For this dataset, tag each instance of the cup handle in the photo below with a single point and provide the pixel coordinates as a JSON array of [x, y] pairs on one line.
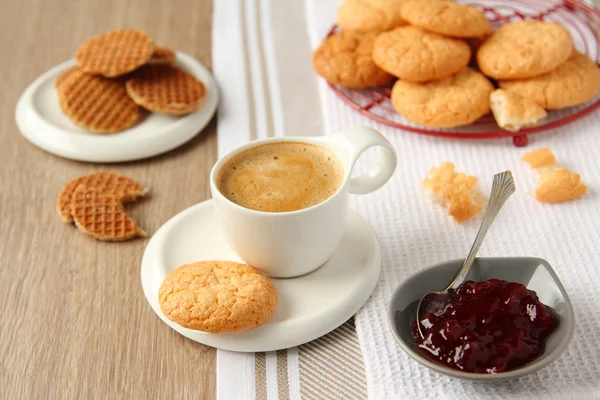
[[359, 139]]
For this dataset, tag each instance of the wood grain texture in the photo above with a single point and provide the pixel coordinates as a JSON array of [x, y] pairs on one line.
[[74, 321]]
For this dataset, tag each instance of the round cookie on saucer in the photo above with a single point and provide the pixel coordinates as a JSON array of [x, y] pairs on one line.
[[415, 55], [444, 103], [446, 18], [369, 15], [524, 49], [573, 82], [217, 296], [345, 59]]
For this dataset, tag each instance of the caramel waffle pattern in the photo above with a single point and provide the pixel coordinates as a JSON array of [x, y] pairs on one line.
[[166, 89], [115, 52], [98, 104], [64, 76], [102, 216], [121, 187], [162, 55]]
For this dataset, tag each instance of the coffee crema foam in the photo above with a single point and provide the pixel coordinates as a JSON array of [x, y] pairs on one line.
[[280, 177]]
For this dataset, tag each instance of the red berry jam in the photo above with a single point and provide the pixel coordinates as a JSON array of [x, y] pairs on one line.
[[485, 327]]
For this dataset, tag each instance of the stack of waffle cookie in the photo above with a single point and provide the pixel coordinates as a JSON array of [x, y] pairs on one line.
[[448, 62], [120, 72], [95, 204]]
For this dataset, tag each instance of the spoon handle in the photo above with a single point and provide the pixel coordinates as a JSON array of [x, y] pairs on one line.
[[502, 188]]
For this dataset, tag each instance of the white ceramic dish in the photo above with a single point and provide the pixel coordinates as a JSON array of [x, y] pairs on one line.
[[309, 306], [42, 122], [536, 274]]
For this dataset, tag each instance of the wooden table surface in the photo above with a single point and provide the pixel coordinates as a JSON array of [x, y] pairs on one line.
[[74, 321]]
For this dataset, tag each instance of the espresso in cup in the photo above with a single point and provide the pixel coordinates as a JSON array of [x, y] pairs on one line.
[[280, 177]]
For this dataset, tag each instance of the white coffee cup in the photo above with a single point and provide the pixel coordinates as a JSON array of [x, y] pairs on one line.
[[288, 244]]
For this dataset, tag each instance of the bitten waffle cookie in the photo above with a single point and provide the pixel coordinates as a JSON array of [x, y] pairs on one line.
[[102, 216], [115, 52], [369, 15], [513, 111], [98, 104], [345, 59], [540, 158], [524, 49], [412, 54], [217, 296], [121, 187], [573, 82], [559, 185], [455, 190], [162, 55], [453, 101], [446, 18], [166, 89]]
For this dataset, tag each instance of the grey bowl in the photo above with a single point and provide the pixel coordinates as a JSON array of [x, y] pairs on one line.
[[536, 274]]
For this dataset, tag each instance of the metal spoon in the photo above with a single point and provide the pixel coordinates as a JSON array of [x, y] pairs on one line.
[[503, 187]]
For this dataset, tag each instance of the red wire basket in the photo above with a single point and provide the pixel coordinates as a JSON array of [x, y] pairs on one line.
[[582, 20]]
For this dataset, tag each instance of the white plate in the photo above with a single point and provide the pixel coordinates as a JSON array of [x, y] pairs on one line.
[[42, 122], [309, 306]]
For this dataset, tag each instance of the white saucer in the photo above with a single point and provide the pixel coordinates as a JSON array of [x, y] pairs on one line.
[[42, 122], [309, 306]]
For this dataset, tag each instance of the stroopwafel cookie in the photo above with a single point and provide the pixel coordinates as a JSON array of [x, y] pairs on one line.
[[115, 53], [121, 187], [62, 78], [162, 55], [102, 216], [96, 103], [166, 89]]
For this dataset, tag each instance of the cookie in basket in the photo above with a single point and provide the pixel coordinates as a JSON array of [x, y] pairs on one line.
[[457, 100], [102, 216], [217, 296], [115, 53], [416, 55], [524, 49], [369, 15], [514, 112], [162, 55], [446, 18], [344, 59], [166, 89], [121, 187], [96, 103], [573, 82]]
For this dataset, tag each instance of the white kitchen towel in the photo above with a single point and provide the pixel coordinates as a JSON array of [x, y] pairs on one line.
[[415, 233], [261, 51], [260, 54]]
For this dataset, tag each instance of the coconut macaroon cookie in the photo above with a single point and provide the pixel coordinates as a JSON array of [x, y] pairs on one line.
[[559, 185], [524, 49], [345, 59], [369, 15], [444, 103], [513, 111], [573, 82], [446, 18], [540, 158], [217, 296], [415, 55]]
